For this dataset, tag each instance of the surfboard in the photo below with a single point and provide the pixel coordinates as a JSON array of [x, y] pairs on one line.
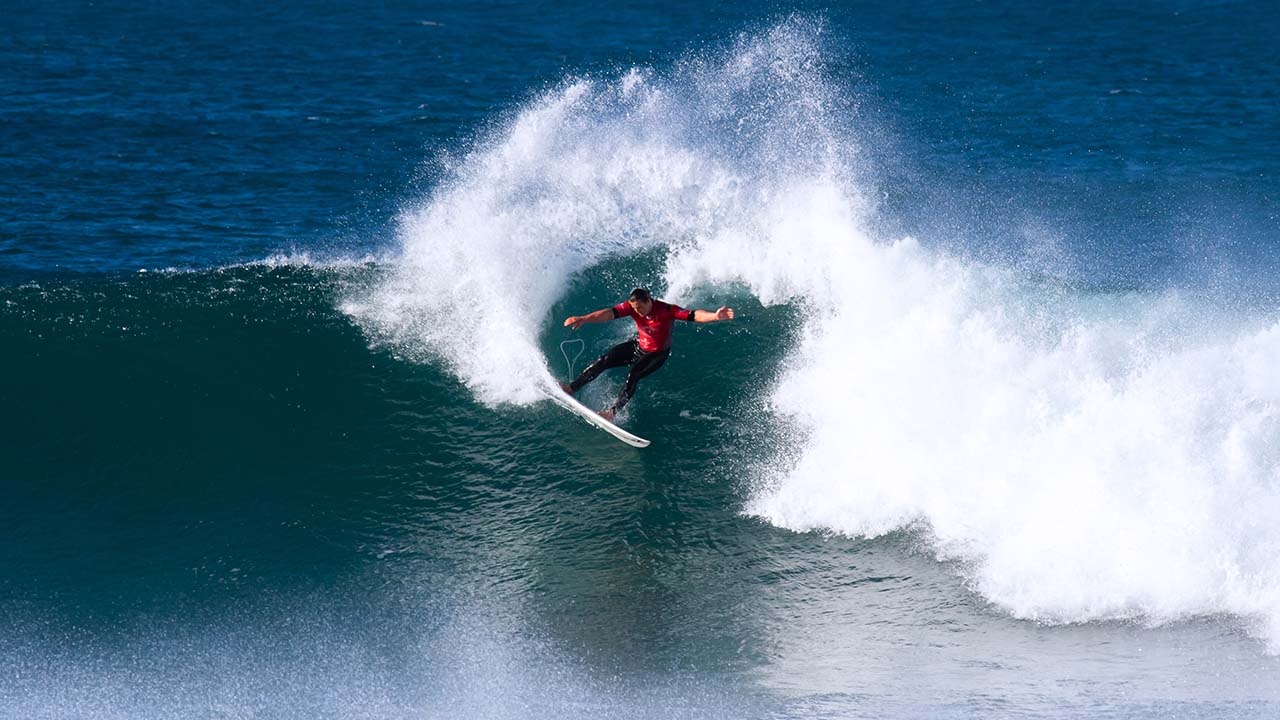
[[569, 403]]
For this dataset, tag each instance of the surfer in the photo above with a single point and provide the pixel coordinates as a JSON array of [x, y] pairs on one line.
[[648, 351]]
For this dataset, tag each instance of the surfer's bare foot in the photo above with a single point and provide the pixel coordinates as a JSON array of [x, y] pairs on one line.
[[565, 387], [607, 414]]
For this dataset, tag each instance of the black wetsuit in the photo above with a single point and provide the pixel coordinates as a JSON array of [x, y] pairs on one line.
[[627, 353]]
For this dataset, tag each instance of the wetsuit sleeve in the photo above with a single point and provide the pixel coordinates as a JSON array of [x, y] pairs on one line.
[[622, 310], [680, 313]]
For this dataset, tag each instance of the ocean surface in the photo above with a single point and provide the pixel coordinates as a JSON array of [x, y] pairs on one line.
[[996, 432]]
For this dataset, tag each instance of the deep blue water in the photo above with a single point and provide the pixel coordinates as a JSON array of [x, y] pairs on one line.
[[197, 135], [995, 434]]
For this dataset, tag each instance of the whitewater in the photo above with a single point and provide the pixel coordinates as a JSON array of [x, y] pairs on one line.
[[1075, 454]]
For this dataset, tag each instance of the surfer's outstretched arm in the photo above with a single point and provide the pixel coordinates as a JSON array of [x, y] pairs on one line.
[[706, 316], [577, 321]]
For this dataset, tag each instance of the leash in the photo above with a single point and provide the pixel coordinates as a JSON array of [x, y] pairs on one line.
[[583, 346]]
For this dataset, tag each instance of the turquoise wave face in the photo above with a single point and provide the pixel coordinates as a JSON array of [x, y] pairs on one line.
[[217, 472], [235, 419]]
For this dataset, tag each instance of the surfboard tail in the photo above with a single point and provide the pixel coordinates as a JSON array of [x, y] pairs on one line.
[[571, 404]]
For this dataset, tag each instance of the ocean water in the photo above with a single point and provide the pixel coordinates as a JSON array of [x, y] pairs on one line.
[[996, 432]]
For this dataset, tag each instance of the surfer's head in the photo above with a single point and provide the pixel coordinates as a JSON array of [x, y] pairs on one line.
[[641, 301]]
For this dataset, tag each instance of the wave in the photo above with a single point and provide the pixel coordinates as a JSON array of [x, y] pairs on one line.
[[590, 170], [1081, 455]]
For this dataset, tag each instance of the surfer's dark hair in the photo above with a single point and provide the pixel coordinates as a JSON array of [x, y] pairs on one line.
[[640, 295]]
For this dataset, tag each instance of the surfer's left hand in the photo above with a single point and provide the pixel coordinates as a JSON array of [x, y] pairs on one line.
[[724, 313]]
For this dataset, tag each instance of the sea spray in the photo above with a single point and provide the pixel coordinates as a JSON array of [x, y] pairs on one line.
[[1083, 455], [591, 169]]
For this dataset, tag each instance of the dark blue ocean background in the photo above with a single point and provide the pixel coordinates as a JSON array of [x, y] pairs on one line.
[[247, 471]]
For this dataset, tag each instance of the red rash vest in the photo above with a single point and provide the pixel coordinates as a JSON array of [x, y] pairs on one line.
[[655, 328]]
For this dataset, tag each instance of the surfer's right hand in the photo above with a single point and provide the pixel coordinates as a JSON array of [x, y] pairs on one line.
[[574, 322]]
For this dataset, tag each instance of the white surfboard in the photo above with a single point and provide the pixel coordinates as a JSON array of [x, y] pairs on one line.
[[568, 402]]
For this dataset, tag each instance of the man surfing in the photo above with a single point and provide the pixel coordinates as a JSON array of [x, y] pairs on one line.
[[654, 319]]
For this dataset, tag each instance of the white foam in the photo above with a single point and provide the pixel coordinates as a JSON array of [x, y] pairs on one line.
[[1083, 456], [589, 170], [1082, 466], [297, 258]]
